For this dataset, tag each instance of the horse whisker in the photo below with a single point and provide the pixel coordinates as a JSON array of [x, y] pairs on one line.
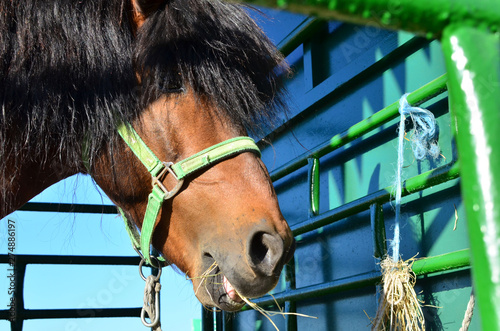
[[206, 274], [208, 292]]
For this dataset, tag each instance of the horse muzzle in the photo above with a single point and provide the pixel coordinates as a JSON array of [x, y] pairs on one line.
[[249, 272]]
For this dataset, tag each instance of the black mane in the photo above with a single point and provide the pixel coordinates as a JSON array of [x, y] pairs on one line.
[[68, 68]]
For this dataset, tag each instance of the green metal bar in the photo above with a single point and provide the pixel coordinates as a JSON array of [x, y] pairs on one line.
[[379, 239], [419, 17], [313, 175], [441, 263], [337, 90], [314, 291], [69, 208], [473, 64], [304, 31], [378, 230], [381, 117], [411, 185]]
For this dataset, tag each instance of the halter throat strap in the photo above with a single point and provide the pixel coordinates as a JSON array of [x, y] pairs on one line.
[[179, 170]]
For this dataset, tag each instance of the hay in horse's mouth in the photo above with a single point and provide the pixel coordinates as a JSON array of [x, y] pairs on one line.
[[229, 299], [217, 288]]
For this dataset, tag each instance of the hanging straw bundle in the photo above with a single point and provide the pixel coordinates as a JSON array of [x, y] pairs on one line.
[[399, 308]]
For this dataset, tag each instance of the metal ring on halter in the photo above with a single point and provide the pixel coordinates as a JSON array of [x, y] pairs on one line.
[[157, 313], [158, 267]]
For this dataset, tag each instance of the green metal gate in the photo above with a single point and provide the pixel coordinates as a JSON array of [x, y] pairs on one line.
[[333, 160]]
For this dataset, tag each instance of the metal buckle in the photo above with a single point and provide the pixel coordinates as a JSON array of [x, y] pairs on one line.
[[157, 181]]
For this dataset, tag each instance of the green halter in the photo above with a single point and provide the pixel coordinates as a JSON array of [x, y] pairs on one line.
[[181, 169]]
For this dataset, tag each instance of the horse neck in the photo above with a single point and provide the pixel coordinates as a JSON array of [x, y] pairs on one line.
[[24, 177]]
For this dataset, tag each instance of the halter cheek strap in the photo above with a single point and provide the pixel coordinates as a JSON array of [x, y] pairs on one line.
[[179, 170]]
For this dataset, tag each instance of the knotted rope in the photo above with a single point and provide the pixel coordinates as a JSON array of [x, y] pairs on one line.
[[424, 144], [399, 305], [150, 307]]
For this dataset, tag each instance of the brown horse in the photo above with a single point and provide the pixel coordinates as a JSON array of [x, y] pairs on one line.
[[186, 74]]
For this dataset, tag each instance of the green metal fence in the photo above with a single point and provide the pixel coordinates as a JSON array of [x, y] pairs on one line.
[[372, 202]]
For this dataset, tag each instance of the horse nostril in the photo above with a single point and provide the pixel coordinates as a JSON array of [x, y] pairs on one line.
[[265, 252]]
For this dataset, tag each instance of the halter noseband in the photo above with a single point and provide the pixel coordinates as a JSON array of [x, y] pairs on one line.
[[179, 170]]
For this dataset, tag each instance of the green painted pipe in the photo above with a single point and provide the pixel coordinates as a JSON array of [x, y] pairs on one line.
[[440, 263], [411, 185], [419, 17], [378, 230], [425, 266], [304, 31], [373, 122], [473, 64], [313, 176]]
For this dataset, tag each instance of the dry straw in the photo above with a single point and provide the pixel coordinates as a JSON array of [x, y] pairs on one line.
[[268, 314], [399, 308], [204, 276]]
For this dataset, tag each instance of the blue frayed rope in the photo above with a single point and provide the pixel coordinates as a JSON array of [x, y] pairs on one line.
[[424, 144]]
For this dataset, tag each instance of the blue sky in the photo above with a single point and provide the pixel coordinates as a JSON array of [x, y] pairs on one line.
[[67, 286]]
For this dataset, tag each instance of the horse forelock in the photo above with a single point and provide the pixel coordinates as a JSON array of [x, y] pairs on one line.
[[68, 68], [217, 49]]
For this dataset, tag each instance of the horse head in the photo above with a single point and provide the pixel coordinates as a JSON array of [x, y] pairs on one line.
[[206, 74], [185, 75]]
